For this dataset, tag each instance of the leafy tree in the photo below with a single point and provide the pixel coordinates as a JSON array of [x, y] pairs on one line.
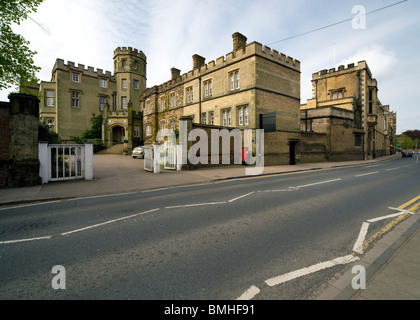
[[405, 141], [16, 59], [413, 134]]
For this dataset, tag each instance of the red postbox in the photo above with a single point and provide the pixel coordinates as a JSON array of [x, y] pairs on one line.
[[244, 155]]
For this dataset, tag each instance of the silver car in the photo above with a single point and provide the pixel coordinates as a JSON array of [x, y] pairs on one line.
[[138, 152]]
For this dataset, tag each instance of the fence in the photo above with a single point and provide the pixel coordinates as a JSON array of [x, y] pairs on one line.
[[60, 162]]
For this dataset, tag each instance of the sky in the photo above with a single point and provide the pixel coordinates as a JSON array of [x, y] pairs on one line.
[[169, 32]]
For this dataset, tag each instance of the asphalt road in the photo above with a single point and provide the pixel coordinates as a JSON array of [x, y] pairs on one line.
[[217, 241]]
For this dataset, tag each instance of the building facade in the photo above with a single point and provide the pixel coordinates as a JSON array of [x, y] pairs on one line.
[[344, 120], [346, 107], [75, 94], [231, 92]]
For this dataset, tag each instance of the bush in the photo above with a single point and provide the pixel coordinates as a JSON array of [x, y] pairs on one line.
[[93, 135], [98, 144], [46, 134]]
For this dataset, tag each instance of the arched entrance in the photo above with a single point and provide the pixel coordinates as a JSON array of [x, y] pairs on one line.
[[118, 135]]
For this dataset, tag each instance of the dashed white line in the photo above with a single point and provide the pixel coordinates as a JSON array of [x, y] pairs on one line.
[[243, 196], [195, 205], [312, 269], [250, 293], [25, 240], [108, 222], [367, 174], [392, 169], [316, 183], [279, 190]]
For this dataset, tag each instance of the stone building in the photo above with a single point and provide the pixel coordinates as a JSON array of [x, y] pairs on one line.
[[76, 93], [232, 92], [346, 108]]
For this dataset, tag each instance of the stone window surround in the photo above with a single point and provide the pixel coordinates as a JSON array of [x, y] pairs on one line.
[[148, 129], [48, 98], [78, 98], [103, 83], [76, 77], [243, 115]]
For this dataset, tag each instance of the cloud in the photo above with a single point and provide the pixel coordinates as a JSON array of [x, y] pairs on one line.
[[382, 62]]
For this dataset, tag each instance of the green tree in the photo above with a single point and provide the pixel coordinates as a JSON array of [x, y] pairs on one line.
[[16, 59], [405, 142], [94, 134]]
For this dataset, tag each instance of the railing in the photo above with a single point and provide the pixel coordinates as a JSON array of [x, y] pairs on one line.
[[60, 162]]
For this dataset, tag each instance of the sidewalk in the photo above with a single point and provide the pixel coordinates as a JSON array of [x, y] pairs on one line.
[[392, 265], [116, 174]]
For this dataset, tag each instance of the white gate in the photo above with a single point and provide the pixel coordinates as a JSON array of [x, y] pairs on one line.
[[162, 155], [59, 162], [148, 158], [170, 158]]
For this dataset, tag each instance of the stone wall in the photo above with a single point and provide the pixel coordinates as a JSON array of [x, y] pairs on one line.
[[4, 142], [19, 164]]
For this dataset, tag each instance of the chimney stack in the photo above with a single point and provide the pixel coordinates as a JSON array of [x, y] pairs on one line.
[[239, 41], [198, 61], [175, 73]]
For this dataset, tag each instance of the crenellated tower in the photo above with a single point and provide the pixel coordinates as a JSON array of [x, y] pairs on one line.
[[130, 75]]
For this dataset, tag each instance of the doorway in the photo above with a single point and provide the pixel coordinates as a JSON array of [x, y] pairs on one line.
[[118, 135], [292, 152]]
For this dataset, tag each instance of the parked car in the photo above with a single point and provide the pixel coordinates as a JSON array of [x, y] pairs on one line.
[[407, 154], [138, 152]]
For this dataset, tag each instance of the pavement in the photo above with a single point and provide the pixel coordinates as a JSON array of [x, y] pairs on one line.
[[392, 265]]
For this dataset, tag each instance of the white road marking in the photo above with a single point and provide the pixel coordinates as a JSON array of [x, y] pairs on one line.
[[367, 174], [387, 217], [245, 195], [315, 184], [358, 246], [195, 205], [108, 222], [392, 169], [25, 240], [312, 269], [401, 210], [30, 205], [250, 293]]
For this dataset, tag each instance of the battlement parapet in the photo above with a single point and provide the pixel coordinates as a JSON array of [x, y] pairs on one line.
[[333, 71], [130, 51], [252, 49], [90, 71]]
